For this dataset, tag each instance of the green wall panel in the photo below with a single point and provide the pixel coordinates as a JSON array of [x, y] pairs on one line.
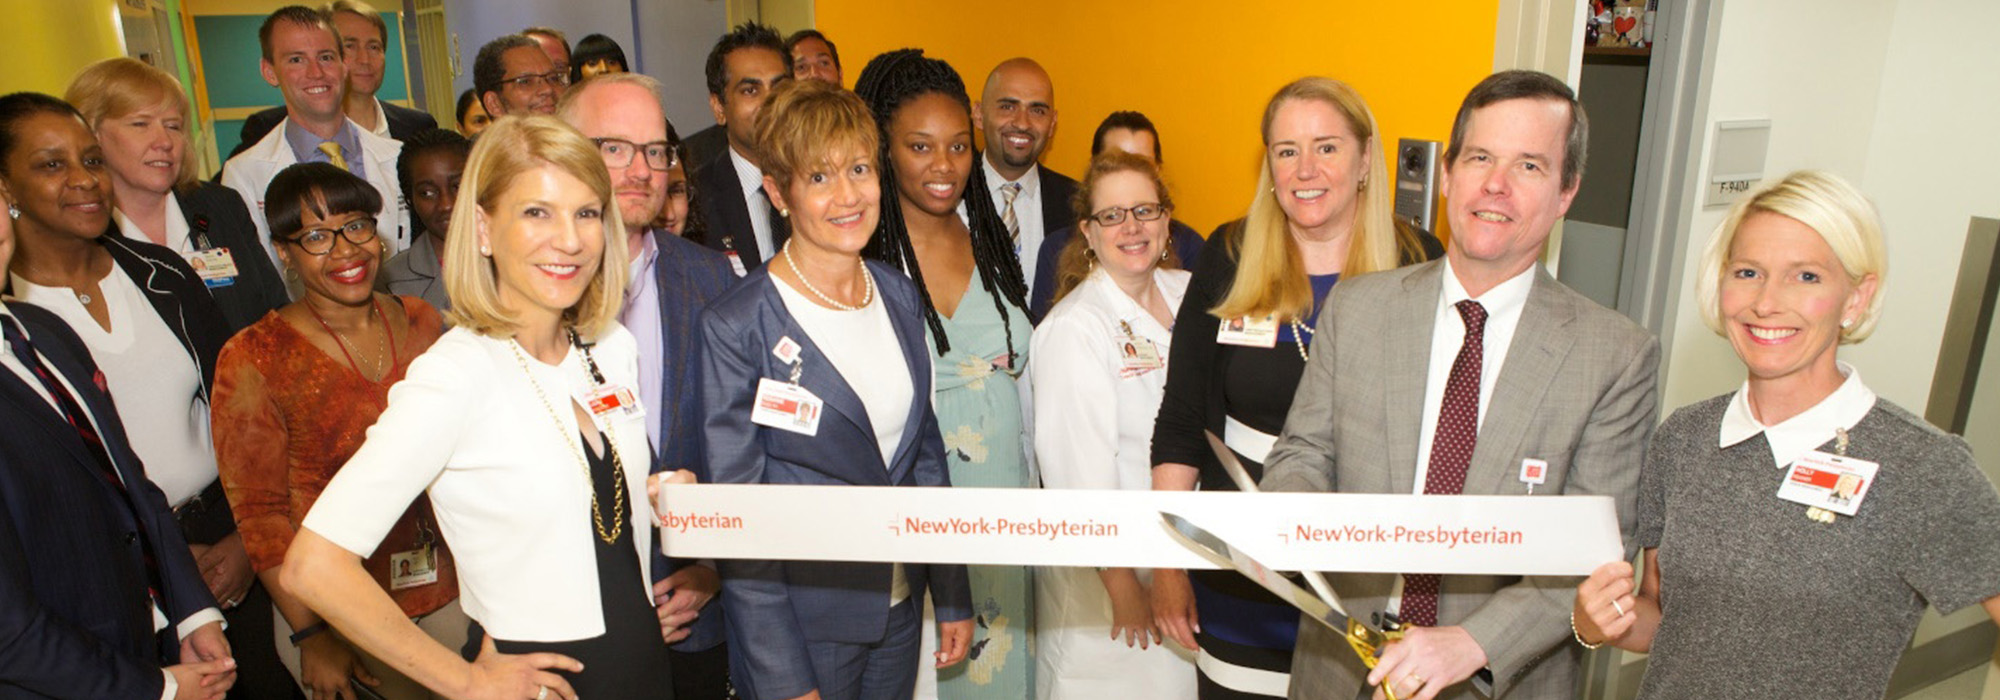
[[230, 55]]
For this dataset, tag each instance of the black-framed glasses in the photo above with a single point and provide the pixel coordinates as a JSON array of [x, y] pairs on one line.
[[319, 241], [618, 153], [1113, 216], [557, 79]]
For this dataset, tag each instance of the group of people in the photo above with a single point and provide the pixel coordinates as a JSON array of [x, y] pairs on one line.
[[383, 413]]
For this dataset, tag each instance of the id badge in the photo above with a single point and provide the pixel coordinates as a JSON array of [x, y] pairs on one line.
[[1831, 482], [412, 568], [215, 266], [612, 402], [1249, 332], [735, 261], [1137, 356], [786, 406]]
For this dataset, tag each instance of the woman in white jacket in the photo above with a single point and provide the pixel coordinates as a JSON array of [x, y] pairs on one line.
[[1098, 373]]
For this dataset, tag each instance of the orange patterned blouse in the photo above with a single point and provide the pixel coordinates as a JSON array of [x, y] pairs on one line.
[[287, 416]]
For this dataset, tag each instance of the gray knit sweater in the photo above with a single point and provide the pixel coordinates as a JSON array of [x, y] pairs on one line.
[[1758, 601]]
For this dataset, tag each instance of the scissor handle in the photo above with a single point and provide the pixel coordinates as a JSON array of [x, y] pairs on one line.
[[1368, 645]]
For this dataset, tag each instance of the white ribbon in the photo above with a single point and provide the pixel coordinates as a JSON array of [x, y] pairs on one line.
[[1386, 533]]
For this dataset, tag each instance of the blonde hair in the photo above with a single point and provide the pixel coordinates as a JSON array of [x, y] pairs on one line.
[[804, 123], [1831, 207], [1270, 273], [1073, 265], [117, 87], [514, 146]]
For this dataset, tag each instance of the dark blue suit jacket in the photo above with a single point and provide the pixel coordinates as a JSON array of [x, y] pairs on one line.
[[775, 607], [686, 275], [75, 620], [719, 193]]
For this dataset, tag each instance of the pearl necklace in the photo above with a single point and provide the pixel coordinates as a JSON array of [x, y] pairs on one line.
[[867, 295]]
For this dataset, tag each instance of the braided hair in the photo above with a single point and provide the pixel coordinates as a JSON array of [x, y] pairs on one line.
[[890, 81]]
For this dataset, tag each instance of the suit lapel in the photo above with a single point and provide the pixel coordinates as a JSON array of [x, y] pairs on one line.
[[906, 319], [1407, 357], [736, 212], [1533, 358], [675, 321], [45, 416], [94, 402], [819, 376]]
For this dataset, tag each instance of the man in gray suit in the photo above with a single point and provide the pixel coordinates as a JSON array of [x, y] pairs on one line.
[[1446, 377]]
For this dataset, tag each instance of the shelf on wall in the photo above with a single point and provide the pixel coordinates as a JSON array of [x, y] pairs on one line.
[[1617, 51]]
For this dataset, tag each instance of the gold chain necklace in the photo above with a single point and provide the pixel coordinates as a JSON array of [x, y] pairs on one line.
[[610, 444]]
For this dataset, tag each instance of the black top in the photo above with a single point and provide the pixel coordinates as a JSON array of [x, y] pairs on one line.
[[1207, 381], [630, 659]]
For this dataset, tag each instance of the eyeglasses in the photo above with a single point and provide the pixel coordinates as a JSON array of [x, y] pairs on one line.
[[529, 82], [618, 153], [319, 241], [1113, 216]]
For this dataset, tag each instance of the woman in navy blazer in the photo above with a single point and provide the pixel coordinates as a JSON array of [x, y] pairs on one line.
[[818, 320]]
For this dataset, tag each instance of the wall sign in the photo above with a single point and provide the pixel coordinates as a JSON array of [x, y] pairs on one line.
[[1736, 159]]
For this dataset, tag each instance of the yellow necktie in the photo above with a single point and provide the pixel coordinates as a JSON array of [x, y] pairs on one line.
[[332, 151]]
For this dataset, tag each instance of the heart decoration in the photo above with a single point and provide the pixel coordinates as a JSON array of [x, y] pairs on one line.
[[1625, 24]]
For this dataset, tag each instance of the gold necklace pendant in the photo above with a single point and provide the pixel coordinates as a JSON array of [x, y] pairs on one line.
[[618, 500]]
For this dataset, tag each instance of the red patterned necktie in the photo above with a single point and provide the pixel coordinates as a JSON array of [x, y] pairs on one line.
[[1451, 449]]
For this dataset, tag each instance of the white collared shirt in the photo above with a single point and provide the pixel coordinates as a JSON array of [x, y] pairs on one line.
[[1791, 439], [1503, 303], [27, 376], [752, 180], [177, 226], [1027, 215], [381, 121], [1503, 314]]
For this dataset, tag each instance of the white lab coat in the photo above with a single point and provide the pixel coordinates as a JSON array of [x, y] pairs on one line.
[[250, 172], [1094, 430]]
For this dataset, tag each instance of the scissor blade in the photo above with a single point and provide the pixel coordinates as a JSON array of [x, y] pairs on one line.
[[1240, 475], [1214, 549]]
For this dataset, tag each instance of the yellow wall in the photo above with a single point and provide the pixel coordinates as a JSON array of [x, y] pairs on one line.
[[1201, 70], [50, 40]]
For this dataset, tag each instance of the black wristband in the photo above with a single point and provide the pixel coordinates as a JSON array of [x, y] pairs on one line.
[[308, 632]]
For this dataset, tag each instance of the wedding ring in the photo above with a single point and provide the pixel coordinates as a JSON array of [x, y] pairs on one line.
[[1617, 607], [542, 694], [1415, 677]]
